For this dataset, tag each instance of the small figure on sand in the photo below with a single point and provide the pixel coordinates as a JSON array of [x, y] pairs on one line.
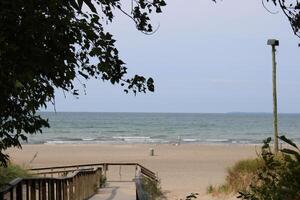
[[178, 140]]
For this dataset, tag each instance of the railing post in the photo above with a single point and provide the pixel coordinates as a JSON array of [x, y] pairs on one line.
[[71, 189], [51, 190], [100, 177], [40, 190], [65, 189], [84, 186], [12, 193], [44, 190], [32, 190], [80, 186], [75, 187], [27, 190], [105, 168], [92, 186], [58, 190], [19, 192], [136, 170]]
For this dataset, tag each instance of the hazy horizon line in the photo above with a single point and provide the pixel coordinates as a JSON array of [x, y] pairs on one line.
[[158, 112]]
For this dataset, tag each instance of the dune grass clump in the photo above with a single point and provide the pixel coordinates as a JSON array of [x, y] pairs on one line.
[[238, 177], [153, 189], [273, 175], [11, 172]]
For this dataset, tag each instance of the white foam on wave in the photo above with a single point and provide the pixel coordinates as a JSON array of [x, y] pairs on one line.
[[130, 137], [88, 139], [60, 142], [217, 140], [189, 140]]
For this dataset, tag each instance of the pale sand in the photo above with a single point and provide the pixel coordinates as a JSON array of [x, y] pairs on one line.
[[182, 169]]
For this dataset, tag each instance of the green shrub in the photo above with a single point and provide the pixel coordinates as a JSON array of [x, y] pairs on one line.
[[238, 177], [152, 188], [103, 181], [11, 172], [279, 177]]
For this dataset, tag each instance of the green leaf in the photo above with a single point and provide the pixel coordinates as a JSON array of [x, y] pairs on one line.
[[292, 152], [290, 142], [150, 84]]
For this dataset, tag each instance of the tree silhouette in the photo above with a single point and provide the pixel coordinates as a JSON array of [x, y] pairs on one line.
[[291, 9], [48, 44]]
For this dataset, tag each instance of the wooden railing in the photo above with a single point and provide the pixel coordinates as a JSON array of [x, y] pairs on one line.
[[61, 170], [67, 182], [80, 185]]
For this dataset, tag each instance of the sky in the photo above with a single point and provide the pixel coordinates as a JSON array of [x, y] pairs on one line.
[[204, 58]]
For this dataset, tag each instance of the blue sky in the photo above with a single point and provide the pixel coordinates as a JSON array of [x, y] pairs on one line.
[[205, 57]]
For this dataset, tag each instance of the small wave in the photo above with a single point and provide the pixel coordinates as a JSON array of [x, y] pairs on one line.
[[59, 142], [189, 140], [88, 139], [75, 142], [65, 139], [141, 140], [130, 137], [216, 140]]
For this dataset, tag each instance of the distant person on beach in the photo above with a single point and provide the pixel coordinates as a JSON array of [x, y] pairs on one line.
[[178, 140]]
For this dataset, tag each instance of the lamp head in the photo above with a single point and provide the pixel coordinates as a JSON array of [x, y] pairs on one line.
[[273, 42]]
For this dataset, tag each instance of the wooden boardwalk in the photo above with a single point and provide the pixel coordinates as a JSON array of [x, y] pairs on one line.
[[81, 182], [116, 191]]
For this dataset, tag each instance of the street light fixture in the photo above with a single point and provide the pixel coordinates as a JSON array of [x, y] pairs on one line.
[[274, 43]]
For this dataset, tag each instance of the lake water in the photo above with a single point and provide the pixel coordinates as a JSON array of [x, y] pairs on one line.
[[164, 128]]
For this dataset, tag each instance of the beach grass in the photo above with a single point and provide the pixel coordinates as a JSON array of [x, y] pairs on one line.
[[153, 189], [238, 177], [11, 172]]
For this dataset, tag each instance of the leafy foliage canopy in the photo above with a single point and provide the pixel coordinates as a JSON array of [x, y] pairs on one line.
[[291, 9], [47, 44]]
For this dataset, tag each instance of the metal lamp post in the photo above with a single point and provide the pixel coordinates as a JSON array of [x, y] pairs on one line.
[[274, 43]]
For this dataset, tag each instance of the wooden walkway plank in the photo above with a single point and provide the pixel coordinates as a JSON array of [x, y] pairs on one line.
[[116, 191]]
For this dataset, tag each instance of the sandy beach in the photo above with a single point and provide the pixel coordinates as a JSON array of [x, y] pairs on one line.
[[182, 169]]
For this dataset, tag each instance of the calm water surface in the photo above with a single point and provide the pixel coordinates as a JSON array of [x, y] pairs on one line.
[[163, 128]]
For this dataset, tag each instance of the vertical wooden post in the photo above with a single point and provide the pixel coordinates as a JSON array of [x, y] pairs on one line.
[[19, 192], [65, 190], [75, 179], [33, 190], [84, 186], [80, 186], [12, 193], [105, 168], [91, 185], [51, 190], [44, 190], [58, 190], [27, 190], [71, 189], [40, 190]]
